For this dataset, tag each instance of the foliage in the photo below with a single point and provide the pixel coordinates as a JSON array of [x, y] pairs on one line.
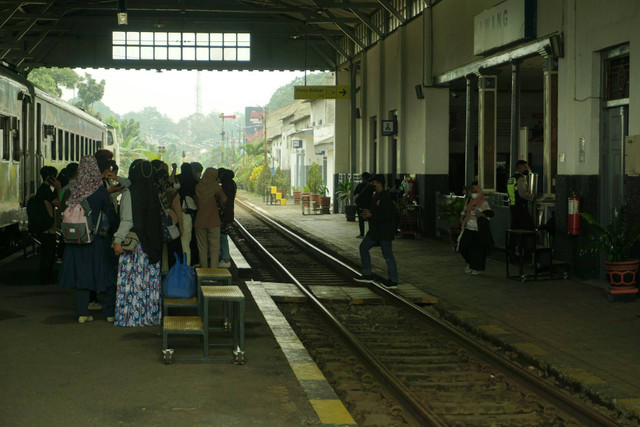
[[281, 179], [314, 178], [344, 191], [615, 240], [450, 209], [263, 180], [90, 91], [52, 79], [322, 190], [284, 94]]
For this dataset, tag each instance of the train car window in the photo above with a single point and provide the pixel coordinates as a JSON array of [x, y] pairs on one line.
[[72, 145], [53, 146], [66, 146], [60, 144], [109, 138], [4, 133], [15, 137], [79, 144]]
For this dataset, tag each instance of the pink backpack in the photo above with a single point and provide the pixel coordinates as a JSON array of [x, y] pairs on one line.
[[77, 226]]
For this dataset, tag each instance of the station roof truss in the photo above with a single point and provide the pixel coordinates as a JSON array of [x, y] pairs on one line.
[[284, 34]]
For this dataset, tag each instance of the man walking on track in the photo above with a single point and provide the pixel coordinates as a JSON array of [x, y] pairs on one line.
[[380, 214]]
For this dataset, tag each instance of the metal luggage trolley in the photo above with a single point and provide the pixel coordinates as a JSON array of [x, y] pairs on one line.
[[234, 298], [522, 243]]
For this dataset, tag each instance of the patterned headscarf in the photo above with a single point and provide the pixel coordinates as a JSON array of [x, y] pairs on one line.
[[88, 181]]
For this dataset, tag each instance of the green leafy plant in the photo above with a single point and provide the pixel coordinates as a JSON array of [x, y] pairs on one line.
[[450, 210], [344, 191], [615, 240], [314, 178], [322, 190]]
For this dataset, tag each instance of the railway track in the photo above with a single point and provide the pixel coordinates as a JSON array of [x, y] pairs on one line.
[[413, 365]]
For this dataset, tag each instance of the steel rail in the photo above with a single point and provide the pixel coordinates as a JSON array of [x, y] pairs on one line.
[[528, 378], [404, 393]]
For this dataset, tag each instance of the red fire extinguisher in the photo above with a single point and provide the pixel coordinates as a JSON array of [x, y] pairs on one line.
[[574, 215]]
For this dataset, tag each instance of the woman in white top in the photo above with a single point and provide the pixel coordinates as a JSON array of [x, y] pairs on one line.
[[475, 241]]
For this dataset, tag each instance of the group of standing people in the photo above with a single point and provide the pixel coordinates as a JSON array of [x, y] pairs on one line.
[[130, 249]]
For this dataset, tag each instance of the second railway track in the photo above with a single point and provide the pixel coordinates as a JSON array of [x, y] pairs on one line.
[[439, 375]]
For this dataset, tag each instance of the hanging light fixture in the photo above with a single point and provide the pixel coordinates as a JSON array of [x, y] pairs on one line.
[[122, 12]]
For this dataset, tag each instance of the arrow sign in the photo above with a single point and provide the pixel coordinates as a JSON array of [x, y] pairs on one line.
[[321, 92]]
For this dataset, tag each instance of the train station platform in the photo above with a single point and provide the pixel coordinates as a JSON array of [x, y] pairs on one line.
[[565, 327], [56, 371]]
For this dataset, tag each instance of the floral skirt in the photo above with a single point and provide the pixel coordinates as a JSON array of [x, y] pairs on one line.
[[138, 300]]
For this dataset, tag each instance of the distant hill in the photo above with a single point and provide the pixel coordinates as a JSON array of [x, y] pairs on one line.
[[284, 94]]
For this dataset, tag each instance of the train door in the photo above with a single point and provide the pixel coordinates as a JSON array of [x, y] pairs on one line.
[[23, 152], [615, 129]]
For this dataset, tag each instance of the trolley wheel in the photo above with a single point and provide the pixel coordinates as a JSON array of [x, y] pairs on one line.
[[565, 276], [611, 297], [523, 279], [167, 356]]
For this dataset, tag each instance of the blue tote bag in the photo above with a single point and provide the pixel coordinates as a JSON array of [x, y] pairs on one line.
[[180, 282]]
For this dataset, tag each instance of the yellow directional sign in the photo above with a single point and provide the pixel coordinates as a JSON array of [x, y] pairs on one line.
[[321, 92]]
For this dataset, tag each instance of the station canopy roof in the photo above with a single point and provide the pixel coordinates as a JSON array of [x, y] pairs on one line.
[[195, 34]]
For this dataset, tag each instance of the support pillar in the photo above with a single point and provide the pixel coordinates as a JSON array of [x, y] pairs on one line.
[[515, 117], [487, 131], [550, 155], [470, 142]]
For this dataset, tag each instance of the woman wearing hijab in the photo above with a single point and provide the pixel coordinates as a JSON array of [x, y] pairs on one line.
[[229, 187], [138, 301], [209, 197], [90, 267], [187, 191], [475, 241], [170, 200]]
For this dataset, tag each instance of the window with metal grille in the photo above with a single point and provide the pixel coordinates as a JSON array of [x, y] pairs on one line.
[[616, 75], [174, 46]]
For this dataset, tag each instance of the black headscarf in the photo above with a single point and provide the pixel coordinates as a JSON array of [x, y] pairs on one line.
[[146, 209], [187, 181]]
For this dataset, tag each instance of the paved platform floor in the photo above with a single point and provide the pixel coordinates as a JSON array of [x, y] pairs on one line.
[[56, 372], [567, 326]]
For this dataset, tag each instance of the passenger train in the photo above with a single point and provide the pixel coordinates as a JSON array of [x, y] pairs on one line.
[[38, 129]]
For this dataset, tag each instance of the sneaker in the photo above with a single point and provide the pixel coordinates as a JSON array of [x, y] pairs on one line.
[[360, 236], [365, 278], [95, 306], [468, 269], [389, 284], [475, 272], [85, 319], [111, 319], [224, 264]]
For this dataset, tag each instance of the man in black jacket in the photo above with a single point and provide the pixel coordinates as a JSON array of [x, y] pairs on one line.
[[381, 213], [363, 193]]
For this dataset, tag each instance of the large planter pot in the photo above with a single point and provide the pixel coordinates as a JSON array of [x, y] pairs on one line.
[[315, 198], [325, 203], [622, 277], [350, 211], [296, 197]]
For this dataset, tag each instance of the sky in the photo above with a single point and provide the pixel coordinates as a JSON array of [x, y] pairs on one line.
[[174, 92]]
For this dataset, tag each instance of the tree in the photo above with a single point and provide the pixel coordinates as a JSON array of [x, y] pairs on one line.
[[51, 79], [90, 91], [284, 94]]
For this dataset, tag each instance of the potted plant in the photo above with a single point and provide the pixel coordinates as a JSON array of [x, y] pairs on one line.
[[344, 191], [314, 181], [297, 193], [450, 211], [325, 201], [615, 241]]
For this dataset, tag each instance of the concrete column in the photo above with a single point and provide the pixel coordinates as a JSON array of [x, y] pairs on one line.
[[469, 155], [487, 131], [550, 155], [515, 116]]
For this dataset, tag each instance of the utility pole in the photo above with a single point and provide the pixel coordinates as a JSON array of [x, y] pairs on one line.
[[222, 116], [264, 132]]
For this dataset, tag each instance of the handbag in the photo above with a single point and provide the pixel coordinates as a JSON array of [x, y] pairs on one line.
[[130, 242], [170, 231], [180, 282]]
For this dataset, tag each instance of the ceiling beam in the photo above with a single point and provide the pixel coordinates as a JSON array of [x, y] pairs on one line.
[[392, 10], [346, 30], [10, 12], [336, 47], [366, 21]]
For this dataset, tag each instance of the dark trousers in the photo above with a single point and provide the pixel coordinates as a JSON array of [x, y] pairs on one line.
[[387, 252], [47, 257], [361, 223], [174, 247], [107, 300], [472, 250]]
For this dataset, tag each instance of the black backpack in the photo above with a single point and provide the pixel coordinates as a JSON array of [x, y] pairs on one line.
[[39, 218]]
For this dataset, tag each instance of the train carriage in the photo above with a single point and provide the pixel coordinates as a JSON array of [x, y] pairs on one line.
[[38, 129]]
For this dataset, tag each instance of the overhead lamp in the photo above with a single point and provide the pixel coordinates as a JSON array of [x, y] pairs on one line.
[[122, 12]]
